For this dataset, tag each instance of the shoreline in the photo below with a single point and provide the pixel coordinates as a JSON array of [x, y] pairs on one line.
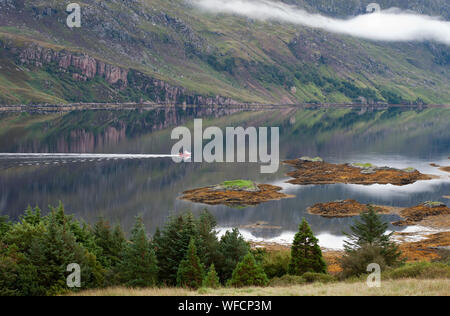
[[52, 108], [417, 243]]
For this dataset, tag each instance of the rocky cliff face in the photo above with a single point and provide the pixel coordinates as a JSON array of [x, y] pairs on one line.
[[82, 67], [86, 67]]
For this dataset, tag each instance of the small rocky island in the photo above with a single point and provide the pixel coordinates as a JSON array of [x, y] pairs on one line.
[[430, 213], [344, 208], [415, 245], [316, 171], [442, 168], [235, 193]]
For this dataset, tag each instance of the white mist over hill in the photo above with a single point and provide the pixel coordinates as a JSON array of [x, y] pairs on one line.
[[386, 25]]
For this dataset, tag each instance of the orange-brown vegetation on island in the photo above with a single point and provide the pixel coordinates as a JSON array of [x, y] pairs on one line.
[[344, 208], [235, 195], [429, 214], [426, 250], [316, 171], [443, 168], [435, 214]]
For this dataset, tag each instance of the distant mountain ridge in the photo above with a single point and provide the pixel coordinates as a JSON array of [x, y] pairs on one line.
[[166, 51]]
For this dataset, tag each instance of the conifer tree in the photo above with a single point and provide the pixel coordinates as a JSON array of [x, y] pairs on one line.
[[171, 245], [212, 279], [40, 249], [190, 272], [5, 226], [306, 255], [207, 241], [139, 265], [32, 216], [370, 232], [248, 273], [118, 241], [110, 242], [54, 251], [232, 249]]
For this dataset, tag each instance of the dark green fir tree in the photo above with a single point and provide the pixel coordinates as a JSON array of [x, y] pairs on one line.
[[191, 271], [306, 255]]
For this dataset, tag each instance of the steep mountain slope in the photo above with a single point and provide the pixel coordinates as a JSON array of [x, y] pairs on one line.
[[167, 51]]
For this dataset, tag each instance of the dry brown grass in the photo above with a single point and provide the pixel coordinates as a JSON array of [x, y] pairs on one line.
[[406, 287]]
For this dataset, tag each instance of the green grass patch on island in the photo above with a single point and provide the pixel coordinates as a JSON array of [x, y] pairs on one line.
[[239, 184]]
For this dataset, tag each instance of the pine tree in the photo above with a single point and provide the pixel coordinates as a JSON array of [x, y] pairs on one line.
[[207, 241], [110, 242], [248, 273], [5, 226], [370, 231], [41, 248], [103, 239], [139, 265], [118, 243], [190, 272], [212, 279], [32, 216], [306, 255], [232, 249], [171, 245], [54, 251]]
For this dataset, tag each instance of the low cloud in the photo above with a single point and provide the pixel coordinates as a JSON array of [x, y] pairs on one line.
[[385, 25]]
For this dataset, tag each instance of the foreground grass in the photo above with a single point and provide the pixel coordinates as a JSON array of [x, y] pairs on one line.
[[405, 287]]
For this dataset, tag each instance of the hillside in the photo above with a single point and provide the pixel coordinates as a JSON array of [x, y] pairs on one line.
[[167, 51]]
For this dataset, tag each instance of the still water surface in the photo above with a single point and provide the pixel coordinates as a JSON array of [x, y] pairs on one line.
[[122, 179]]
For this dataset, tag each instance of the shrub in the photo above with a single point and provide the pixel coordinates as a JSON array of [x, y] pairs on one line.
[[248, 273], [355, 263], [287, 280], [276, 263], [311, 277], [419, 270]]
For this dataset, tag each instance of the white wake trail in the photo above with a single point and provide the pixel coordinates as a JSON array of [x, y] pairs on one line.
[[82, 156]]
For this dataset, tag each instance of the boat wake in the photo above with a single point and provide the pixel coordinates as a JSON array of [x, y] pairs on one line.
[[36, 159]]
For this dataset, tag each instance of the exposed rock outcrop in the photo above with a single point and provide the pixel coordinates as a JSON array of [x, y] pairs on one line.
[[347, 208], [320, 172], [83, 67], [86, 66], [425, 212], [214, 196]]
